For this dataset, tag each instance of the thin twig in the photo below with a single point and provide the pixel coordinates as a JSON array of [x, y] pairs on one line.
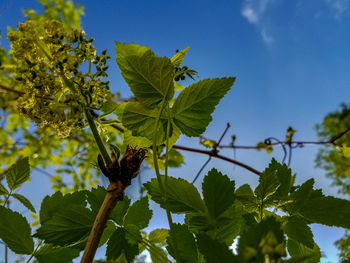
[[201, 169], [211, 153]]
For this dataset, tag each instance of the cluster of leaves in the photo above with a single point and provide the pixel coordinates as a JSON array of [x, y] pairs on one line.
[[212, 221]]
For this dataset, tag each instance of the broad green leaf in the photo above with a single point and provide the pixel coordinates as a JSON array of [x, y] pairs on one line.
[[158, 235], [108, 108], [133, 233], [18, 173], [15, 231], [181, 244], [158, 255], [50, 254], [215, 251], [118, 244], [297, 229], [149, 77], [69, 225], [52, 204], [246, 196], [193, 107], [296, 249], [268, 183], [175, 158], [141, 121], [120, 210], [300, 196], [224, 228], [107, 232], [135, 141], [179, 57], [24, 202], [218, 192], [182, 196], [95, 198], [328, 211], [139, 214], [3, 190]]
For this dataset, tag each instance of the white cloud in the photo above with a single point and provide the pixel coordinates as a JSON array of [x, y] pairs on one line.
[[254, 11], [250, 15], [338, 6]]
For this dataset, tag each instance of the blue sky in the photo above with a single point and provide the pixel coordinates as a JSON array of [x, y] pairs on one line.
[[291, 60]]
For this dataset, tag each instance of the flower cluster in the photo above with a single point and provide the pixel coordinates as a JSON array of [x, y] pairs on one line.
[[49, 61]]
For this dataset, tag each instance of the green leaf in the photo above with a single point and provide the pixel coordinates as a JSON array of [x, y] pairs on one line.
[[120, 210], [149, 77], [141, 120], [182, 196], [69, 225], [24, 202], [139, 214], [179, 57], [175, 158], [299, 197], [215, 251], [297, 229], [50, 254], [3, 190], [118, 244], [52, 204], [158, 255], [328, 211], [193, 107], [268, 183], [108, 108], [246, 196], [18, 173], [218, 192], [15, 232], [186, 248], [158, 235], [296, 249]]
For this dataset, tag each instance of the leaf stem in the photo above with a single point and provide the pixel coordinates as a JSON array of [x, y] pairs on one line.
[[7, 198], [97, 137]]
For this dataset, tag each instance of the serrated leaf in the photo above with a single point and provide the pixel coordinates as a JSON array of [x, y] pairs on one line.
[[120, 210], [328, 211], [141, 121], [296, 249], [118, 244], [139, 214], [149, 77], [24, 202], [218, 192], [182, 196], [299, 197], [108, 108], [52, 204], [215, 251], [67, 226], [158, 236], [268, 183], [193, 107], [3, 190], [18, 173], [50, 254], [158, 255], [15, 232], [246, 196], [179, 57], [297, 229], [181, 244]]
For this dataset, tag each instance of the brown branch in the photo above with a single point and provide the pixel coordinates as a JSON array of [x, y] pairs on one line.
[[216, 155], [115, 192]]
